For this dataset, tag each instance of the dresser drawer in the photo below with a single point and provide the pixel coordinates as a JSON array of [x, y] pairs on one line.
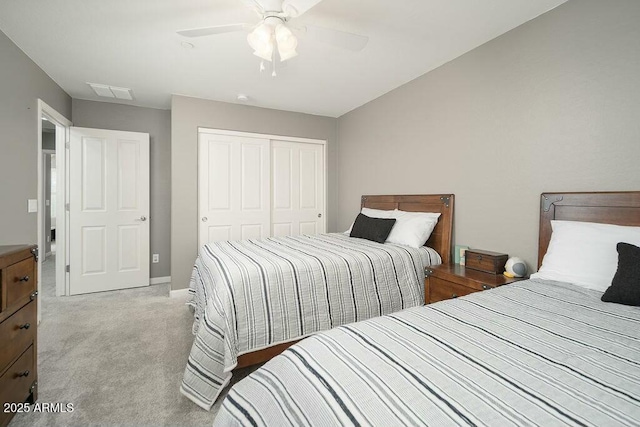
[[19, 282], [16, 382], [17, 333], [440, 290]]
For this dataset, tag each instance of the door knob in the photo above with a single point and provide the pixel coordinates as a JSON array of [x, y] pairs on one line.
[[143, 218], [205, 219], [319, 215]]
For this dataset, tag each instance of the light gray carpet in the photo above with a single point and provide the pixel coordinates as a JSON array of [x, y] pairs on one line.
[[117, 356]]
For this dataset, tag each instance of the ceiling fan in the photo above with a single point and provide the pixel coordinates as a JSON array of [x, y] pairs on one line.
[[273, 34]]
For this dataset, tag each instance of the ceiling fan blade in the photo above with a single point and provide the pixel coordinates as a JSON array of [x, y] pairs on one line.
[[295, 8], [350, 41], [208, 31], [254, 5]]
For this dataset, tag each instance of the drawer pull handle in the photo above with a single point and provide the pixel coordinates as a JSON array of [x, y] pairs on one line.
[[24, 279], [25, 326], [24, 374], [454, 295]]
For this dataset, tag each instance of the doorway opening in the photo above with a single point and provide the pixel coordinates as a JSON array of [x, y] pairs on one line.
[[49, 213], [53, 131]]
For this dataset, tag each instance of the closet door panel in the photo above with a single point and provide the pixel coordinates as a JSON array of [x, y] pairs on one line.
[[297, 188], [284, 196], [218, 176], [234, 188], [309, 177], [281, 229], [251, 188], [309, 227]]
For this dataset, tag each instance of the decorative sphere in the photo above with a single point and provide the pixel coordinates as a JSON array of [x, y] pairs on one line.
[[516, 266]]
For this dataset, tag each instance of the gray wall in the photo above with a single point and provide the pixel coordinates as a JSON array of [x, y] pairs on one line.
[[157, 123], [187, 114], [22, 82], [553, 105]]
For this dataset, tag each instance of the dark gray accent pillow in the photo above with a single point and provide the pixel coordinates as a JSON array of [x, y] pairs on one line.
[[375, 229], [625, 287]]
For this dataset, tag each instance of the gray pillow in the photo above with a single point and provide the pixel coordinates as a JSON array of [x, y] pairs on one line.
[[375, 229], [625, 287]]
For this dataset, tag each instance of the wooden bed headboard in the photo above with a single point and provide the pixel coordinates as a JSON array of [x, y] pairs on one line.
[[440, 239], [620, 208]]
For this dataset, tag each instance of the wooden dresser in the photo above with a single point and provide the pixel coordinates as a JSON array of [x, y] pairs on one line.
[[448, 281], [18, 327]]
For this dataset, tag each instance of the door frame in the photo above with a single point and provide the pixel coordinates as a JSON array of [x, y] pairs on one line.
[[62, 135], [322, 142]]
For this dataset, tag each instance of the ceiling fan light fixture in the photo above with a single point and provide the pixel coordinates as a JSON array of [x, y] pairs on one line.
[[265, 52], [287, 42], [286, 54], [284, 34], [272, 35], [260, 37]]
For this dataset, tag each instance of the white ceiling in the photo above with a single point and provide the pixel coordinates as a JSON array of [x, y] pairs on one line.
[[132, 43]]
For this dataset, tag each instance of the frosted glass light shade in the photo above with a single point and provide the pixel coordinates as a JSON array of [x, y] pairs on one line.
[[261, 40], [287, 42], [286, 54], [266, 52]]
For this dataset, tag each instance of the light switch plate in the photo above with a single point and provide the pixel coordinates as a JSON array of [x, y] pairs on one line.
[[32, 205]]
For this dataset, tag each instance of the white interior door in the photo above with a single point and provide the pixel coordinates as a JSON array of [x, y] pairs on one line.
[[298, 188], [234, 188], [108, 210]]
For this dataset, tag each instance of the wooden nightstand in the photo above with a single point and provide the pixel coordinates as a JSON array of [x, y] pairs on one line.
[[453, 280]]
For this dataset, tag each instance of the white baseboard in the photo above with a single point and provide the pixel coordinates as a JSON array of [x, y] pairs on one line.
[[158, 280], [179, 293]]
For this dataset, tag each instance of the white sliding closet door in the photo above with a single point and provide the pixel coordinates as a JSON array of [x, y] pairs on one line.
[[234, 188], [298, 187]]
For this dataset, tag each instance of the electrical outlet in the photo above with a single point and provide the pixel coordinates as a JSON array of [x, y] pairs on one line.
[[156, 258]]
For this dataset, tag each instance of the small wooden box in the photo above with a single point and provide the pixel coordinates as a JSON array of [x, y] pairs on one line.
[[487, 261]]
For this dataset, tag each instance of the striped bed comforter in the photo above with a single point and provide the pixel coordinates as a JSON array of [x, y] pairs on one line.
[[530, 353], [253, 294]]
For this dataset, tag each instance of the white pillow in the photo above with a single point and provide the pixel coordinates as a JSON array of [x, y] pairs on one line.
[[377, 213], [412, 228], [584, 253], [373, 213]]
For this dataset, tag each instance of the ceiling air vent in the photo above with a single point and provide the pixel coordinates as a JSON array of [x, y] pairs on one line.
[[106, 91]]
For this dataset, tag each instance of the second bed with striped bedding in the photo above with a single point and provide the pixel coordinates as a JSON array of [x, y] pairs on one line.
[[531, 353], [252, 294]]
